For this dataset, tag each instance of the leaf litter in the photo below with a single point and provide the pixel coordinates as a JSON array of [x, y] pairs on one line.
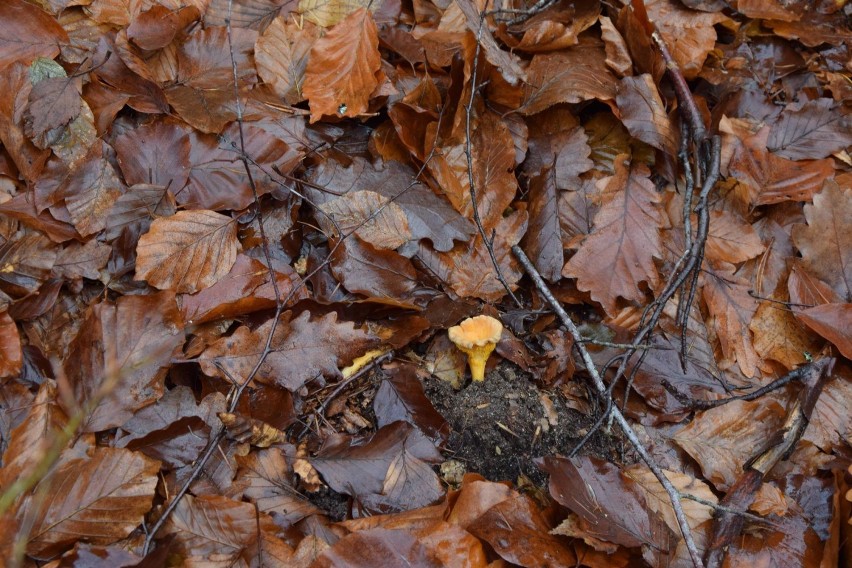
[[234, 234]]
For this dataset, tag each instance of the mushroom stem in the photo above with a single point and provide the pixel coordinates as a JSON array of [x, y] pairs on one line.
[[477, 357]]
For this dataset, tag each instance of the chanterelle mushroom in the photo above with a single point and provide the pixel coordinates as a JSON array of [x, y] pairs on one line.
[[477, 337]]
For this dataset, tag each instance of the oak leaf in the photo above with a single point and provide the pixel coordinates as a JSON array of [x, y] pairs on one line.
[[187, 252], [301, 350]]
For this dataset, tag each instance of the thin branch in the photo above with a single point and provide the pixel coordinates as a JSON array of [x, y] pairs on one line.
[[599, 385], [468, 110]]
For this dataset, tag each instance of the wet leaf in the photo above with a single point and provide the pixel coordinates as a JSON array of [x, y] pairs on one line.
[[117, 358], [282, 53], [100, 512], [401, 397], [644, 115], [577, 74], [731, 309], [301, 350], [542, 242], [25, 263], [187, 252], [833, 322]]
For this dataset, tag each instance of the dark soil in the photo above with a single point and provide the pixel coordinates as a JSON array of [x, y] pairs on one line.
[[494, 426]]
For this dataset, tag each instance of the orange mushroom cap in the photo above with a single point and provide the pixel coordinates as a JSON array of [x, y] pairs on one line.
[[477, 336]]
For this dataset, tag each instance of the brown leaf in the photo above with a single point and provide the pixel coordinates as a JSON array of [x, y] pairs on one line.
[[830, 423], [11, 356], [175, 429], [155, 153], [137, 207], [25, 263], [689, 34], [203, 94], [401, 397], [101, 500], [188, 251], [617, 55], [282, 53], [619, 253], [90, 192], [217, 178], [390, 472], [265, 480], [612, 507], [213, 528], [519, 533], [429, 216], [557, 141], [374, 218], [31, 438], [342, 68], [244, 290], [543, 242], [53, 103], [660, 503], [826, 241], [644, 115], [156, 27], [780, 337], [15, 86], [117, 357], [301, 350], [573, 75], [468, 268], [84, 260], [773, 179], [731, 239], [377, 547], [722, 439], [810, 130], [27, 32], [731, 309], [381, 276], [508, 64], [493, 160], [833, 322]]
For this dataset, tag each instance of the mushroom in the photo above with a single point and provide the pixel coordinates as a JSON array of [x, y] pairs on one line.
[[477, 337]]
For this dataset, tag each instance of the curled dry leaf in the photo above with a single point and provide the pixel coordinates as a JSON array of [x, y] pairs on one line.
[[187, 252]]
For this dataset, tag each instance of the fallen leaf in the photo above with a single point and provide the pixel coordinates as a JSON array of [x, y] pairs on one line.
[[619, 253], [722, 439], [810, 130], [731, 239], [342, 68], [644, 115], [282, 53], [187, 252], [543, 242], [833, 322], [301, 350], [731, 309], [825, 242], [371, 216], [102, 511], [27, 32]]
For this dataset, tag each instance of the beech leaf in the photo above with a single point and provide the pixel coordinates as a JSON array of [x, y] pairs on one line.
[[101, 500], [188, 251], [342, 68]]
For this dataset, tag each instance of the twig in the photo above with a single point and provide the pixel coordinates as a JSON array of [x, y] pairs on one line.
[[599, 385], [468, 109], [342, 385]]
